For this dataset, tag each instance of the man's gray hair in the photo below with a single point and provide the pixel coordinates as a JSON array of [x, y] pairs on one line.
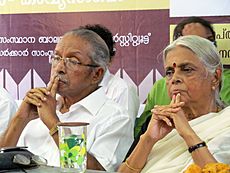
[[99, 53], [205, 51]]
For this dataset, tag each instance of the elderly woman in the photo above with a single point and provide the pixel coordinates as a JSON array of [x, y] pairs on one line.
[[181, 133]]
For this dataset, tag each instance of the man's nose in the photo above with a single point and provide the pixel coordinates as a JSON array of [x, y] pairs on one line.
[[61, 66]]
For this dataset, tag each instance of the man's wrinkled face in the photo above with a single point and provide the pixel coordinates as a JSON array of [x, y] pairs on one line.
[[74, 78]]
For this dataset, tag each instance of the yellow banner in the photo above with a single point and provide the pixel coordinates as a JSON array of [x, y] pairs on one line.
[[48, 6], [222, 39]]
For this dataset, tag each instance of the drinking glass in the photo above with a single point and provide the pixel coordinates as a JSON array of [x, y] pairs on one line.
[[72, 145]]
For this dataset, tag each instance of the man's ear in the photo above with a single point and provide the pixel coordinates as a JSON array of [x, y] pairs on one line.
[[217, 78], [98, 74]]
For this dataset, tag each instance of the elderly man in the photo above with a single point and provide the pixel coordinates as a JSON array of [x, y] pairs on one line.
[[78, 65]]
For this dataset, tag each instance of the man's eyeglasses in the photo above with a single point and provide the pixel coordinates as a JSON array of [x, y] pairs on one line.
[[26, 160], [70, 63]]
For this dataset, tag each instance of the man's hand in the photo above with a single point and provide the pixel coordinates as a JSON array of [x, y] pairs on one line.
[[47, 106]]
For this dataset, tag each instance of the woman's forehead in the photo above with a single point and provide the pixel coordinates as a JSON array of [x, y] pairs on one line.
[[179, 55]]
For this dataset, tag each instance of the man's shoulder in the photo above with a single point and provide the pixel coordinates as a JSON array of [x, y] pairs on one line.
[[226, 72], [4, 94], [113, 108], [111, 104], [160, 83], [118, 81], [98, 103], [6, 98], [159, 87]]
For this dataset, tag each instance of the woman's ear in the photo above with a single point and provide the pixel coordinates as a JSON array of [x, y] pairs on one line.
[[98, 74], [217, 78]]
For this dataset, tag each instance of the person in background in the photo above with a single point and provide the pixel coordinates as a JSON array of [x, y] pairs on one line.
[[158, 94], [115, 87], [77, 67], [8, 107], [196, 119]]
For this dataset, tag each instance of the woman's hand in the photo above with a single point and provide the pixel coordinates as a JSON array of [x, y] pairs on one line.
[[161, 124], [157, 128], [174, 116]]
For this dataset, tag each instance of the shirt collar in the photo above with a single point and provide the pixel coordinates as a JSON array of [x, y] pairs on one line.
[[105, 79], [93, 102]]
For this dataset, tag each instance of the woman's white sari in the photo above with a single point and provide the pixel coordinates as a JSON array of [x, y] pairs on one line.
[[170, 155]]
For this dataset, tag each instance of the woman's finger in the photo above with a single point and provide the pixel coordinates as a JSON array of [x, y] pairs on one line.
[[176, 105], [166, 120], [177, 100], [173, 109], [169, 113], [161, 107], [173, 99]]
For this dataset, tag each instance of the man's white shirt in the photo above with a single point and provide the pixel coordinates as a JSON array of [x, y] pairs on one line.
[[121, 92], [109, 133]]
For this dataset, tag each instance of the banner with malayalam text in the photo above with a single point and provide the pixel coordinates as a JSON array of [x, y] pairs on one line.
[[29, 30]]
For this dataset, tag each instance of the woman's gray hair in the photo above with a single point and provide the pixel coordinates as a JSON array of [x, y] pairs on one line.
[[99, 53], [205, 51]]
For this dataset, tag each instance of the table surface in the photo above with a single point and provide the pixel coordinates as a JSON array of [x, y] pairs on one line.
[[50, 169]]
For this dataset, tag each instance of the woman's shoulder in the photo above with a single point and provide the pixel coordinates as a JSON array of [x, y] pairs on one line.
[[224, 110]]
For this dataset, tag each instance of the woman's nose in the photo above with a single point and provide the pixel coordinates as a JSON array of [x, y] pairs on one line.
[[176, 78], [176, 81]]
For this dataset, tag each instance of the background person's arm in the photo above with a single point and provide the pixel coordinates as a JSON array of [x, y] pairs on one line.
[[24, 114], [8, 108]]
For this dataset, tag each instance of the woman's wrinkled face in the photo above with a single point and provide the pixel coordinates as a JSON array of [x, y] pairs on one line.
[[185, 74]]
